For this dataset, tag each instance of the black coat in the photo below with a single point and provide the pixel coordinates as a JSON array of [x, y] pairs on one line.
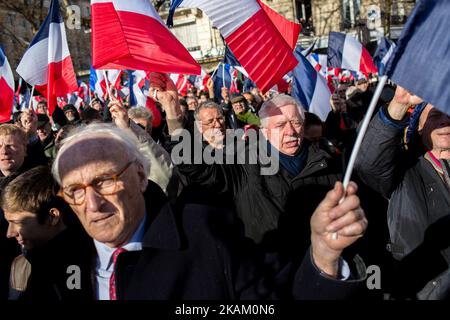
[[268, 203], [195, 252], [51, 268], [418, 199]]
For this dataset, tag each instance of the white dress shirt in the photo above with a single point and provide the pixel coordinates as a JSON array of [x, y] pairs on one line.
[[104, 267]]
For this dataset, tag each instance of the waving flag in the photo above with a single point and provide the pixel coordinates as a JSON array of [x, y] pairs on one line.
[[346, 52], [97, 83], [288, 29], [310, 88], [131, 35], [222, 78], [421, 59], [250, 34], [47, 64], [6, 88], [384, 52], [230, 59]]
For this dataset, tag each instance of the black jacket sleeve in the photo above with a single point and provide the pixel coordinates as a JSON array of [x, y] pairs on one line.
[[380, 163]]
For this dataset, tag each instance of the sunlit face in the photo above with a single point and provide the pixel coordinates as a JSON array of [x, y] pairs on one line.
[[110, 219], [212, 126], [41, 108], [28, 122], [70, 115], [363, 86], [203, 99], [192, 103], [25, 227], [12, 153], [238, 107], [285, 129], [97, 106], [434, 127], [44, 131]]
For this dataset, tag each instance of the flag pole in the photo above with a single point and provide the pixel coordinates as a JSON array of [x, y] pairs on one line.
[[217, 68], [359, 139], [107, 85], [223, 75], [31, 98], [363, 129]]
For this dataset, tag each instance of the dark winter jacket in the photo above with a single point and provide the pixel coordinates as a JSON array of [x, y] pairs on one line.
[[260, 200], [418, 199], [196, 252]]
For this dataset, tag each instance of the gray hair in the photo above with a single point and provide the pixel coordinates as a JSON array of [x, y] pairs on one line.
[[207, 105], [140, 113], [125, 137], [278, 101]]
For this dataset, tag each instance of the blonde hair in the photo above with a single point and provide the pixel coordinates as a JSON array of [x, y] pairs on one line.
[[11, 130]]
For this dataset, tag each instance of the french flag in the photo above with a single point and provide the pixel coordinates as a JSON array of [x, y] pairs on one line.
[[97, 83], [384, 52], [310, 88], [6, 88], [346, 52], [131, 35], [47, 64], [420, 62], [251, 36]]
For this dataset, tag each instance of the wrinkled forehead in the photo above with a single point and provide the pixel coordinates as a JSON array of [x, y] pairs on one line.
[[94, 152], [288, 112], [206, 113]]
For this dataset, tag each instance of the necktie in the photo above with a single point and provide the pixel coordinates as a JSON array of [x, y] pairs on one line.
[[112, 280]]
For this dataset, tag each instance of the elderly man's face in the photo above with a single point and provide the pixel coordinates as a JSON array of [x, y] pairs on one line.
[[285, 129], [434, 127], [212, 126], [28, 122], [12, 153], [110, 219], [70, 115]]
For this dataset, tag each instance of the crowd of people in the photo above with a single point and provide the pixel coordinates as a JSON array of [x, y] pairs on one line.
[[98, 188]]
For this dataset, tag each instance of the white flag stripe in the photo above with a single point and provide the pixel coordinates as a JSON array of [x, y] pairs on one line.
[[33, 67], [351, 55], [6, 73], [137, 6], [226, 15], [57, 50]]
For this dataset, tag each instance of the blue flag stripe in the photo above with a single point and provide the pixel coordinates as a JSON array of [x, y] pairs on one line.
[[336, 42], [420, 61], [53, 16]]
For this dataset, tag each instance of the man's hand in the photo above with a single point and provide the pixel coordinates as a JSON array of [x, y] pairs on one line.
[[402, 101], [337, 99], [347, 219], [119, 114], [164, 91]]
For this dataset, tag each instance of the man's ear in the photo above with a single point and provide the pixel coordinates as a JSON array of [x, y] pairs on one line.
[[55, 216], [143, 179]]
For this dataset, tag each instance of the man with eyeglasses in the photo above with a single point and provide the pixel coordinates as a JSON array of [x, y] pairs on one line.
[[276, 208], [148, 249]]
